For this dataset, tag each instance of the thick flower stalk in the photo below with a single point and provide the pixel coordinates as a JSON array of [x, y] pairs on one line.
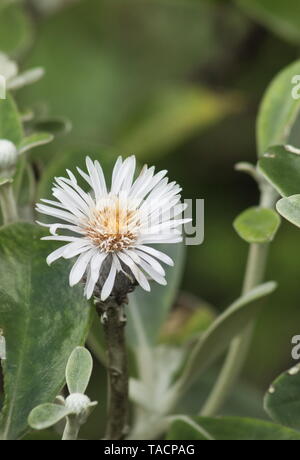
[[111, 232], [8, 163]]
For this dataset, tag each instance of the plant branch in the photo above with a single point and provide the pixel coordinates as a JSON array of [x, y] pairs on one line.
[[8, 203], [255, 273], [114, 321], [71, 429]]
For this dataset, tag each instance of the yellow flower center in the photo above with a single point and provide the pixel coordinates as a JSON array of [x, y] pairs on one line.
[[112, 226]]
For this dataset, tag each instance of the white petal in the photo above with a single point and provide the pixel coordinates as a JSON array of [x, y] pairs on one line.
[[76, 248], [153, 273], [109, 283], [158, 254], [94, 178], [137, 273], [80, 266], [139, 188], [124, 172], [117, 263], [75, 196], [130, 175], [90, 285], [152, 262], [96, 264], [61, 238], [101, 177], [161, 239], [72, 177], [53, 203], [151, 184], [54, 227], [85, 176], [63, 215], [70, 203], [56, 254], [116, 169], [85, 196]]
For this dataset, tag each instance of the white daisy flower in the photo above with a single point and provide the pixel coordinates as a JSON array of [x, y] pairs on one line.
[[111, 230]]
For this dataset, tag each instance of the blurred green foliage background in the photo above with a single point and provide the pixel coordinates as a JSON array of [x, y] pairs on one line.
[[178, 83]]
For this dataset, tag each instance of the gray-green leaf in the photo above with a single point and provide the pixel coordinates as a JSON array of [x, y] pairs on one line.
[[46, 415], [289, 208], [278, 111], [282, 402], [229, 429], [79, 370], [10, 122], [257, 225], [42, 320], [281, 167], [35, 140]]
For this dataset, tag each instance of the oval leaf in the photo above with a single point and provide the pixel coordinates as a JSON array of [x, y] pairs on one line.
[[10, 122], [278, 111], [174, 115], [15, 27], [42, 320], [289, 208], [282, 402], [229, 429], [257, 225], [79, 370], [35, 140], [46, 415], [281, 167]]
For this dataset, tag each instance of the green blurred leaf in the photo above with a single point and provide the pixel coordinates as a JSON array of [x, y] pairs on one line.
[[15, 28], [278, 111], [229, 429], [282, 402], [281, 166], [187, 321], [10, 122], [174, 115], [147, 312], [42, 320], [124, 67], [58, 125], [79, 370], [257, 225], [283, 18], [227, 326], [46, 415], [289, 208], [35, 140]]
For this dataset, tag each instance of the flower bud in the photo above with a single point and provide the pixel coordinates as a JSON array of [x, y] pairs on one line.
[[8, 158], [78, 403]]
